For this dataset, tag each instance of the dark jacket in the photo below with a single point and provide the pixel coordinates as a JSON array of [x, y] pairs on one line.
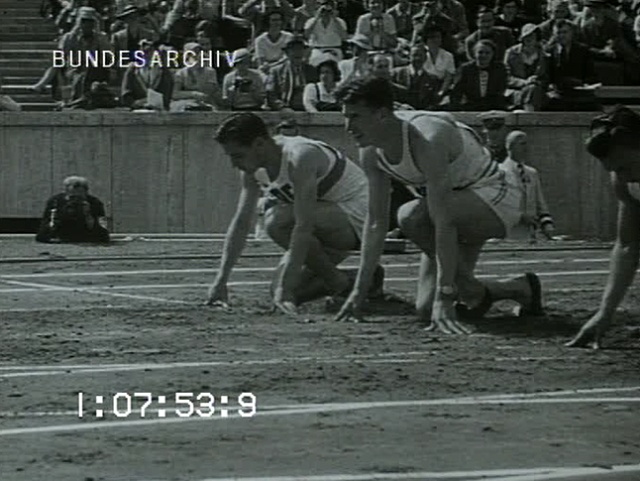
[[466, 88], [567, 71], [64, 219]]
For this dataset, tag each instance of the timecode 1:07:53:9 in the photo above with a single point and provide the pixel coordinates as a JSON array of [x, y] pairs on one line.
[[180, 404]]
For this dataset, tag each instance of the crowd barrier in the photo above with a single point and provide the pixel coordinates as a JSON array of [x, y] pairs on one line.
[[164, 173]]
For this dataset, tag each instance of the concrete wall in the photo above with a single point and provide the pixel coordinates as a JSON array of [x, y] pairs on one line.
[[165, 173]]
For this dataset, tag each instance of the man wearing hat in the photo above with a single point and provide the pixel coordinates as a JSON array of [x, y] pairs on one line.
[[358, 65], [243, 87], [526, 65], [615, 142], [85, 36], [495, 131], [326, 32], [603, 34], [287, 80], [128, 39]]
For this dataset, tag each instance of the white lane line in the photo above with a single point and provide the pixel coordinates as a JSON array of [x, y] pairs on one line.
[[164, 365], [261, 269], [326, 408], [49, 287], [567, 473], [126, 287], [532, 474]]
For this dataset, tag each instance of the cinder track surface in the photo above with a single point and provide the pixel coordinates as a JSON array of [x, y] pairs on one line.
[[380, 400]]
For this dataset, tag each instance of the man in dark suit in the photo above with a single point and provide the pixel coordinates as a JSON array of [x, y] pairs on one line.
[[73, 215], [414, 85], [570, 68], [500, 36], [286, 81], [128, 39]]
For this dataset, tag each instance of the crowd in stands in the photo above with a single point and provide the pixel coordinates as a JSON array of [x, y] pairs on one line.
[[440, 54]]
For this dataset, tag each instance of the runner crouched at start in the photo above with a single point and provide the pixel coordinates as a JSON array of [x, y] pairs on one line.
[[466, 200], [315, 210]]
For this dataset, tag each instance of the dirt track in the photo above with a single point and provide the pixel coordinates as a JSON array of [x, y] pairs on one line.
[[103, 327]]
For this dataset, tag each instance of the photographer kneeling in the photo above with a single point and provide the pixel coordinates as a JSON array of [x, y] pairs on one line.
[[73, 215]]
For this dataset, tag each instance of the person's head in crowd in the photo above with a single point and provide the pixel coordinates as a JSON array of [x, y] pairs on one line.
[[204, 41], [432, 6], [381, 66], [191, 8], [530, 36], [367, 108], [87, 21], [116, 26], [360, 45], [433, 35], [418, 57], [517, 147], [76, 187], [615, 142], [296, 50], [130, 15], [563, 32], [494, 127], [484, 53], [288, 127], [241, 60], [597, 9], [559, 9], [509, 9], [204, 28], [245, 138], [147, 46], [375, 7], [191, 54], [275, 21], [327, 8], [485, 20], [328, 73]]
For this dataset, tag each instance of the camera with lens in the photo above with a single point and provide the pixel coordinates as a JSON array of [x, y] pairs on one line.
[[243, 85]]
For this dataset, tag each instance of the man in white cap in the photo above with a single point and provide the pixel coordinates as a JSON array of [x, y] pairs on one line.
[[317, 207], [495, 131], [358, 65], [467, 200], [243, 87]]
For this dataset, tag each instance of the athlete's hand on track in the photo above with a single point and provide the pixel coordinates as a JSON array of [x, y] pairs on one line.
[[282, 303], [592, 331], [350, 310], [443, 319], [218, 296]]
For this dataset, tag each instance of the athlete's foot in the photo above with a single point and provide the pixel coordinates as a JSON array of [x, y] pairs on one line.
[[476, 311], [532, 306], [38, 88]]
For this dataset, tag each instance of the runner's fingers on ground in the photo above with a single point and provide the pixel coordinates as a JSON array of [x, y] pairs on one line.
[[286, 307]]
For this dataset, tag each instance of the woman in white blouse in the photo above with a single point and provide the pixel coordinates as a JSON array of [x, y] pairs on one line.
[[440, 62], [318, 97]]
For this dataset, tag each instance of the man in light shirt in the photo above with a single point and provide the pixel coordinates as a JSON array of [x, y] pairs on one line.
[[380, 27], [325, 32]]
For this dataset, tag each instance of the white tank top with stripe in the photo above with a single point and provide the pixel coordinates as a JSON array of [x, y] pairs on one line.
[[344, 183], [471, 166]]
